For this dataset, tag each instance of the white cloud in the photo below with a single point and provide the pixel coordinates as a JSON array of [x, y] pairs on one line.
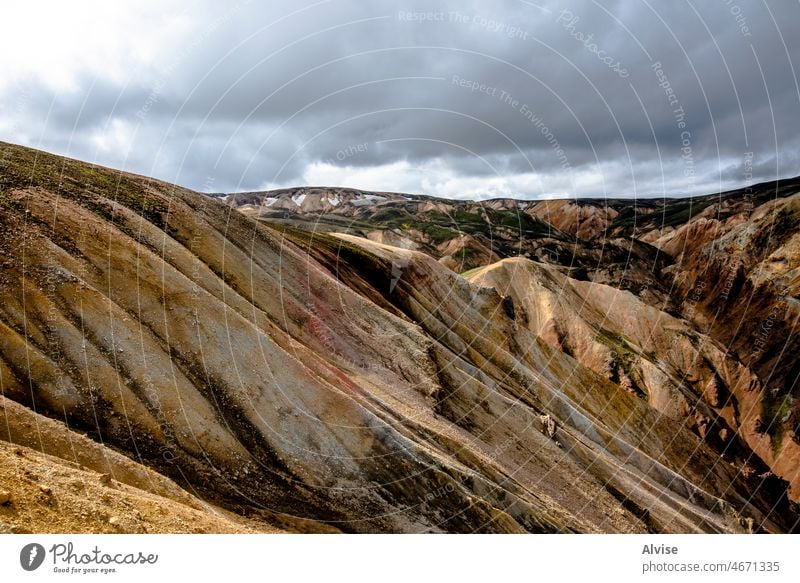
[[434, 178], [400, 175], [115, 139], [56, 42]]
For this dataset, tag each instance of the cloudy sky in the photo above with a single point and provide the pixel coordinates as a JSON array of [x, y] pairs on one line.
[[457, 99]]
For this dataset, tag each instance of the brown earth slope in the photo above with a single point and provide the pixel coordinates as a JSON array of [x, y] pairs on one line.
[[310, 382], [711, 318]]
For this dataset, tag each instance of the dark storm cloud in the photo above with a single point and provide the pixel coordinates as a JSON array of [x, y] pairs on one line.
[[618, 98]]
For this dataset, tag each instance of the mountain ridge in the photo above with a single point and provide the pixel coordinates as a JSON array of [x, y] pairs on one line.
[[306, 381]]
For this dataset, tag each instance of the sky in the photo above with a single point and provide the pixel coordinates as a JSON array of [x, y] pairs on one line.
[[467, 100]]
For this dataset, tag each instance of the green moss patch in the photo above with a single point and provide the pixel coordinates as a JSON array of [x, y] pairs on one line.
[[776, 409]]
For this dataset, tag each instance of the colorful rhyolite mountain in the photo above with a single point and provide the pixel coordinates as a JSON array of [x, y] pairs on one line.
[[373, 362]]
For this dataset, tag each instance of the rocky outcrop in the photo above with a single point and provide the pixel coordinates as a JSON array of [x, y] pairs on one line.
[[585, 221], [738, 284], [682, 373], [464, 253]]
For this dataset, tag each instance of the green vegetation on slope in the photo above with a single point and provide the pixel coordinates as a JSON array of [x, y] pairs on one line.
[[90, 186]]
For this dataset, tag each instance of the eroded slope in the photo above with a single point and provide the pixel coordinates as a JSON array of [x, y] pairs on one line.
[[325, 383]]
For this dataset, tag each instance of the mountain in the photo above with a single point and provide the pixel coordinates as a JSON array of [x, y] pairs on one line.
[[466, 234], [168, 353], [720, 270]]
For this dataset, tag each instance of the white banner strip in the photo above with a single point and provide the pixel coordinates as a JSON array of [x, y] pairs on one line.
[[371, 558]]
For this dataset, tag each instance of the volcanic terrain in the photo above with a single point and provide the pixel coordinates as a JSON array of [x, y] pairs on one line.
[[331, 360]]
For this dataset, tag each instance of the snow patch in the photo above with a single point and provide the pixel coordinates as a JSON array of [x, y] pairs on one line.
[[298, 199]]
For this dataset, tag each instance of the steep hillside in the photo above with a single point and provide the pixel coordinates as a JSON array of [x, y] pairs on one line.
[[680, 371], [303, 381], [725, 267]]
